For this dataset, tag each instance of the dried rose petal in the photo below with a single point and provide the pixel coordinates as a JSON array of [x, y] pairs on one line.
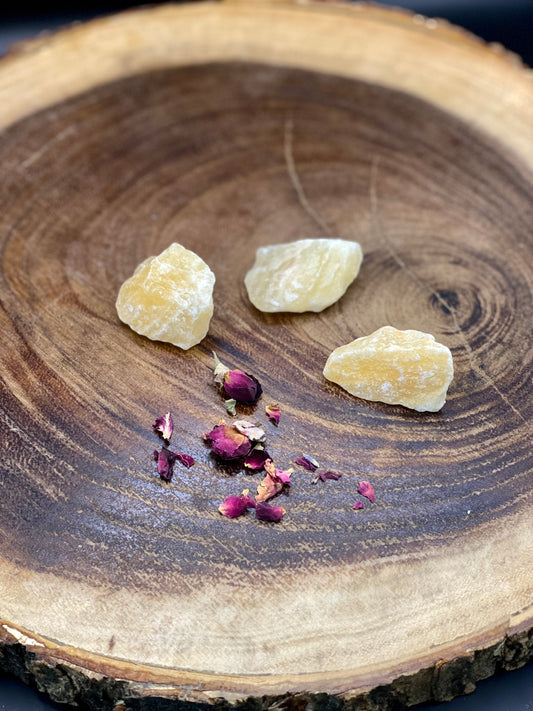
[[358, 506], [220, 370], [273, 413], [164, 426], [307, 462], [251, 430], [165, 463], [185, 459], [324, 476], [273, 482], [230, 406], [235, 506], [256, 459], [366, 489], [227, 442], [266, 512]]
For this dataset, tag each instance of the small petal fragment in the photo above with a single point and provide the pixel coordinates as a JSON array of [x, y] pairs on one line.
[[256, 459], [366, 489], [227, 442], [235, 506], [165, 463], [273, 413], [230, 406], [254, 432], [164, 426], [358, 506], [185, 459], [307, 462], [324, 476], [266, 512]]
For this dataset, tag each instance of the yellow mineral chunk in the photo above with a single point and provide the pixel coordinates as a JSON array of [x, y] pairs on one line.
[[306, 275], [397, 367], [169, 297]]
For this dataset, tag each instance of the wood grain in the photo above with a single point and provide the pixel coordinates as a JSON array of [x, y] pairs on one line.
[[111, 574]]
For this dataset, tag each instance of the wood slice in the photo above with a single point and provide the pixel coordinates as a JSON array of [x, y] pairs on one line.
[[224, 127]]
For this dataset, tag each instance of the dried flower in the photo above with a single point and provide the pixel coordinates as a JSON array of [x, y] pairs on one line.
[[237, 384], [235, 506], [185, 459], [227, 442], [254, 432], [366, 489], [273, 413], [256, 459], [165, 463], [230, 406], [266, 512], [307, 462], [324, 476], [358, 506], [273, 482], [164, 426]]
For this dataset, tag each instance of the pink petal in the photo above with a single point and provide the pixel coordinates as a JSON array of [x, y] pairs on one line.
[[235, 506], [358, 506], [164, 426], [366, 489]]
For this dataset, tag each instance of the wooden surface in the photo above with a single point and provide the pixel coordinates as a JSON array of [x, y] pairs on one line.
[[226, 127]]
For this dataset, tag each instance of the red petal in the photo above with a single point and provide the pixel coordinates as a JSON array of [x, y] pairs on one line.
[[266, 512], [256, 459], [366, 489], [185, 459], [307, 463]]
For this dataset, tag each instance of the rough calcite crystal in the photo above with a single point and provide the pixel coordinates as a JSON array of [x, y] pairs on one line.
[[397, 367], [169, 297], [306, 275]]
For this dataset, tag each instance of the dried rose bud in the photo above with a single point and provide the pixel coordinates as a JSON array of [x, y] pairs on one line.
[[266, 512], [307, 462], [366, 489], [256, 459], [237, 384], [358, 506], [324, 476], [235, 506], [230, 406], [185, 459], [164, 426], [273, 413], [252, 431], [227, 442], [165, 463]]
